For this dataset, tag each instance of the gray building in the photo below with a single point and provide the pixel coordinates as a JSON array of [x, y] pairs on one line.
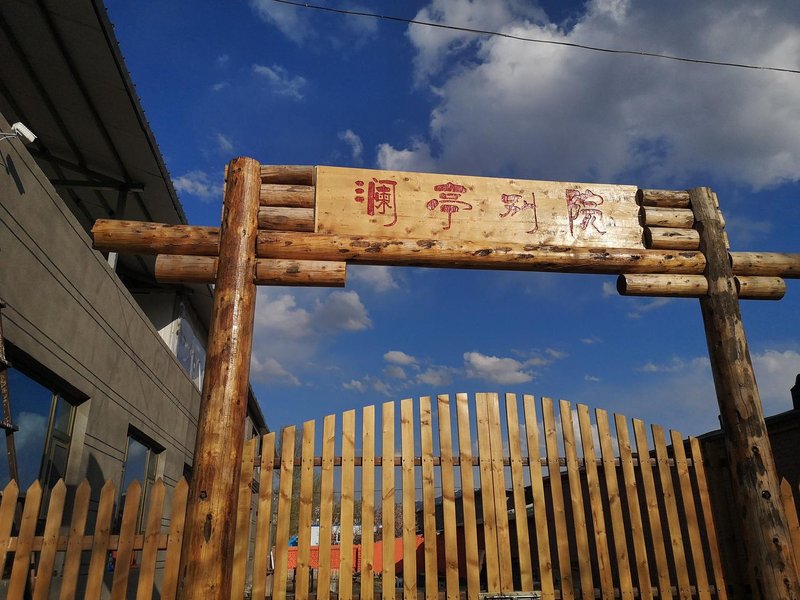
[[107, 364]]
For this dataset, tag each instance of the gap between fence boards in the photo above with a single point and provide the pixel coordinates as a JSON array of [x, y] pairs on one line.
[[398, 461]]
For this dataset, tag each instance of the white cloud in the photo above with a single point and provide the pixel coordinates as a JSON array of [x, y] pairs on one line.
[[281, 82], [221, 85], [342, 310], [496, 369], [352, 139], [286, 18], [506, 107], [776, 372], [395, 372], [224, 143], [675, 365], [592, 378], [609, 289], [379, 278], [280, 314], [399, 357], [271, 370], [645, 306], [436, 376], [200, 185], [356, 385], [222, 60], [591, 340]]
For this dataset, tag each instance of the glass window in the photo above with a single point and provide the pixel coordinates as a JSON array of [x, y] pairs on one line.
[[44, 418], [141, 461], [190, 349]]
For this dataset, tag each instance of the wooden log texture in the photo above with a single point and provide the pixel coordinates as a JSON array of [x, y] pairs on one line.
[[268, 271], [755, 484], [290, 196], [157, 238], [679, 218], [279, 218], [664, 198], [207, 554], [696, 286], [671, 238], [287, 174]]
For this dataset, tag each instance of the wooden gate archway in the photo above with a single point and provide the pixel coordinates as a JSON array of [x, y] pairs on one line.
[[302, 225], [489, 498]]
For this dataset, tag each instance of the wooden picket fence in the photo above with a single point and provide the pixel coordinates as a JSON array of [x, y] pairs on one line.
[[521, 506]]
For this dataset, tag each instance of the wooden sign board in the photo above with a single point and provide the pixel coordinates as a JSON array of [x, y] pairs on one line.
[[393, 204]]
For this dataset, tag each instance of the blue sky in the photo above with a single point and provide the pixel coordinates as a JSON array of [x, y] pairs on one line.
[[289, 85]]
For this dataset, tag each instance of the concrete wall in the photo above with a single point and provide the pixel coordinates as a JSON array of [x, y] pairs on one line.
[[69, 312]]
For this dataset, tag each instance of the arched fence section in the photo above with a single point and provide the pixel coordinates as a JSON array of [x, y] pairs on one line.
[[445, 497]]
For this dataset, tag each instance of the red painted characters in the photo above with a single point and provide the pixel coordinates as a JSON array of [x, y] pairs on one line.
[[511, 202], [448, 201], [381, 198], [583, 205]]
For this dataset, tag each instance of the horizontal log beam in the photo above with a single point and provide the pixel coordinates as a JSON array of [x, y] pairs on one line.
[[280, 218], [268, 271], [696, 286], [293, 196], [664, 198], [671, 238], [157, 238], [680, 218], [287, 174]]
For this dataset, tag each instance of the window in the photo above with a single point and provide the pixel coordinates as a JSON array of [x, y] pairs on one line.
[[44, 418], [190, 350], [141, 464]]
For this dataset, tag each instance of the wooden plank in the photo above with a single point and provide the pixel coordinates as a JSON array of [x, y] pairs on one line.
[[576, 499], [615, 505], [245, 502], [152, 537], [518, 486], [387, 502], [77, 529], [284, 515], [169, 584], [468, 497], [409, 501], [23, 553], [664, 198], [122, 565], [428, 498], [708, 518], [44, 571], [448, 498], [634, 512], [487, 495], [102, 530], [326, 507], [7, 509], [595, 502], [754, 481], [695, 547], [565, 585], [653, 515], [264, 518], [304, 512], [206, 564], [288, 195], [426, 206], [348, 497], [500, 500], [367, 502], [671, 509], [790, 508], [539, 510]]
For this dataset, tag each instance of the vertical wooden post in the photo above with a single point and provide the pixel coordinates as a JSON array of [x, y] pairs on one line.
[[751, 464], [207, 556]]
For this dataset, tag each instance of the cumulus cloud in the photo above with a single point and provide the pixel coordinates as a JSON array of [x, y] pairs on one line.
[[349, 137], [505, 107], [200, 185], [355, 385], [280, 314], [342, 310], [496, 369], [395, 372], [675, 365], [436, 376], [776, 372], [398, 357], [271, 370], [281, 82], [286, 18], [378, 278]]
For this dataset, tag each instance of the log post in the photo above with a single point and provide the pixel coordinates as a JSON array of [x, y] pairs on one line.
[[765, 535], [207, 557]]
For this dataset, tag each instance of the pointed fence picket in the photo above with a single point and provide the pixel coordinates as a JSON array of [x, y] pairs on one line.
[[563, 512]]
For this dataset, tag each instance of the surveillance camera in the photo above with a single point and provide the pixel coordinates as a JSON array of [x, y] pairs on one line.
[[23, 132]]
